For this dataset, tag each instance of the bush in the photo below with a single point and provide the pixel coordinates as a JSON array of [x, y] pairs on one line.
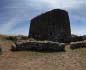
[[12, 38]]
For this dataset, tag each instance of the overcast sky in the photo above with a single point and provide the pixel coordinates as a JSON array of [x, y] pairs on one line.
[[15, 15]]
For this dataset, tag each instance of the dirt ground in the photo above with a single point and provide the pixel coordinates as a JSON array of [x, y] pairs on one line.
[[69, 60]]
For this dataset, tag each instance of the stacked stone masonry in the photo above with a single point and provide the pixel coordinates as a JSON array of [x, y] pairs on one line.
[[53, 25], [38, 46]]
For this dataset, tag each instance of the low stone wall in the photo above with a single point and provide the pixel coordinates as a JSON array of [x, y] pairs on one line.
[[78, 45], [36, 46], [76, 39]]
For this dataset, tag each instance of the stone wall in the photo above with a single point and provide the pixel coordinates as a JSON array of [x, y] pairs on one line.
[[38, 46], [78, 45], [77, 38]]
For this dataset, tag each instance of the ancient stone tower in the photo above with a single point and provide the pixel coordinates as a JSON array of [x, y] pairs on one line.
[[53, 25]]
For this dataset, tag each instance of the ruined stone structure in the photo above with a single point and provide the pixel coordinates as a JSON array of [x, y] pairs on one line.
[[53, 25], [42, 46]]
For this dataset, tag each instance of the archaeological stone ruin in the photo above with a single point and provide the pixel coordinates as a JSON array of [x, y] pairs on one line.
[[45, 46], [49, 32], [53, 25]]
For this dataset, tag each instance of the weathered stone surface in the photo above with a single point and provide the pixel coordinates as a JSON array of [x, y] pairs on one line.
[[53, 25], [78, 45], [39, 46], [77, 38]]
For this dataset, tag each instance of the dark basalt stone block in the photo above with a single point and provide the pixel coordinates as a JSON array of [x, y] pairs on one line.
[[53, 25]]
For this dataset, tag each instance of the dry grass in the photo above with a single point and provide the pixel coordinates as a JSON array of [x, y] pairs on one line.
[[69, 60]]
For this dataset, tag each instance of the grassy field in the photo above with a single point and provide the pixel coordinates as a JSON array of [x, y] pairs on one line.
[[69, 60]]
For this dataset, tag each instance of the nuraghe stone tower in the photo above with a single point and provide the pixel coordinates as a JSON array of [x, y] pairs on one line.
[[53, 25]]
